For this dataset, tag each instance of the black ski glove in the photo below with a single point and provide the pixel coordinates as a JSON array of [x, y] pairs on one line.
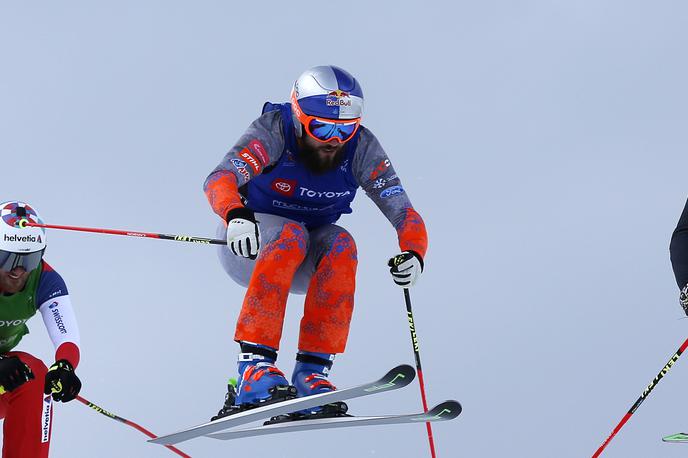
[[62, 382], [13, 373], [683, 299]]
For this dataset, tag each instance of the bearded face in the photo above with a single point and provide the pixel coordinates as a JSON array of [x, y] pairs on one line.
[[320, 157]]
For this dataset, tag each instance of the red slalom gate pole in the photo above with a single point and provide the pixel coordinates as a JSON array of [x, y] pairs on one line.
[[128, 423], [419, 370], [642, 397], [147, 235]]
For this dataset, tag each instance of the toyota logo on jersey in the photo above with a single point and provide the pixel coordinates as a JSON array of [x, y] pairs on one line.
[[284, 186]]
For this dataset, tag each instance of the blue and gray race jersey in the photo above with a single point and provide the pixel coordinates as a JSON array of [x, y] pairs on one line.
[[271, 178]]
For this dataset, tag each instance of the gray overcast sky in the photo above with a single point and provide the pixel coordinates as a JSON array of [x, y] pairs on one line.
[[544, 143]]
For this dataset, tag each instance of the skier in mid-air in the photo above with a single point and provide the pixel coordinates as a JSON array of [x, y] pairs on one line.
[[29, 285], [679, 257], [279, 191]]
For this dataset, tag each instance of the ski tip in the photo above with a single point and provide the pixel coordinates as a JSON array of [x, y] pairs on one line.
[[447, 410], [680, 437], [403, 375]]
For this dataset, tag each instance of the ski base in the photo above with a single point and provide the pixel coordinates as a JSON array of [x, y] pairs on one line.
[[447, 410], [397, 378], [677, 438]]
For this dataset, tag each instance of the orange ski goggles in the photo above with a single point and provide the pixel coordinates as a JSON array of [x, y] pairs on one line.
[[325, 130]]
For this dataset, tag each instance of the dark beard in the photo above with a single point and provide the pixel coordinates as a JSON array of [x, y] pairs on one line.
[[315, 164]]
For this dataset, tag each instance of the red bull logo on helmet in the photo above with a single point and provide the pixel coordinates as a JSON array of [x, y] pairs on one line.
[[338, 99]]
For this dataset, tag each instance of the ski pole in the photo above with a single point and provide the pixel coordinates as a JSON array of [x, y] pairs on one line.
[[150, 235], [419, 370], [128, 423], [642, 397]]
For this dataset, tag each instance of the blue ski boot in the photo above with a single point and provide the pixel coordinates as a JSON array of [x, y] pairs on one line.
[[260, 381], [309, 378]]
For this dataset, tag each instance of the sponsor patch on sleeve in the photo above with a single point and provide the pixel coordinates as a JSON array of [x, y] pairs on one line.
[[257, 147], [251, 160], [381, 168], [381, 182], [391, 191], [240, 166]]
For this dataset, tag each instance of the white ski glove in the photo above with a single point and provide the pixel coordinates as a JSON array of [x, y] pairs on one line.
[[683, 299], [243, 237], [406, 268]]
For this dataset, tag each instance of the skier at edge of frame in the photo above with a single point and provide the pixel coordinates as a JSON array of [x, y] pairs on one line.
[[679, 257], [28, 285], [279, 191]]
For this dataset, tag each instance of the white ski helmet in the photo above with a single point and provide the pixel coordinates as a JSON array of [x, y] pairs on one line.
[[326, 92], [20, 245]]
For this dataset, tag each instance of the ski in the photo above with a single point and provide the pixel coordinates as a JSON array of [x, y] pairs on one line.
[[397, 378], [677, 438], [448, 410]]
